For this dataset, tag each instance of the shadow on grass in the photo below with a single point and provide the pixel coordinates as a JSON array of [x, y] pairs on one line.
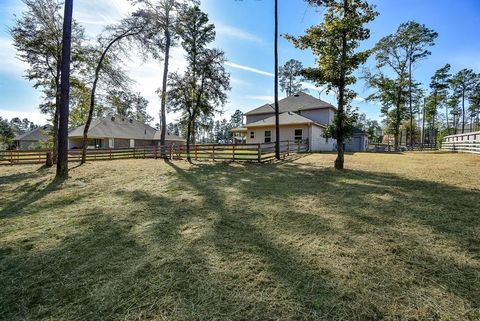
[[279, 241], [29, 193], [372, 202]]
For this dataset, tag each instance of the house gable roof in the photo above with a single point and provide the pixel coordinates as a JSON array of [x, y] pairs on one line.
[[122, 128], [116, 127], [287, 118], [294, 103], [39, 134]]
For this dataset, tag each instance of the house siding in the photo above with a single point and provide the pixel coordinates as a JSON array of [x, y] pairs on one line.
[[286, 133], [122, 143], [321, 115], [318, 143]]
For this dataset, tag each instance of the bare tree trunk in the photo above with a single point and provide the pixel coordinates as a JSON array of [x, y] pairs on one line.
[[463, 112], [189, 132], [62, 158], [446, 116], [55, 129], [92, 93], [410, 104], [277, 116], [163, 121], [423, 122], [339, 161]]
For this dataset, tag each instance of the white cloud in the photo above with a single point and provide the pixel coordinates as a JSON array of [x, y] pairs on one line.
[[36, 117], [247, 68], [10, 63], [234, 32]]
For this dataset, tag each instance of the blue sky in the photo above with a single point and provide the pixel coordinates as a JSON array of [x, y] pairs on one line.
[[245, 33]]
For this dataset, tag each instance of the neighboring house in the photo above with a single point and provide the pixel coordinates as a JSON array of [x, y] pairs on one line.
[[33, 139], [302, 117], [119, 132]]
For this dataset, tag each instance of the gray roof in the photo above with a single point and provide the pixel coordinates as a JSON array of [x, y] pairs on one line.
[[294, 103], [288, 118], [39, 134], [120, 127]]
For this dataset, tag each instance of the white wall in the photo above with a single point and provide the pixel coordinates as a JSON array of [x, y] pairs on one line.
[[286, 133], [320, 144]]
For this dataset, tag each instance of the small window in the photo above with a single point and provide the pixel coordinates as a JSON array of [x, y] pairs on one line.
[[252, 135], [298, 134], [268, 136]]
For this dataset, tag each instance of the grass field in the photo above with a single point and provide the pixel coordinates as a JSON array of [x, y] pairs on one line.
[[394, 237]]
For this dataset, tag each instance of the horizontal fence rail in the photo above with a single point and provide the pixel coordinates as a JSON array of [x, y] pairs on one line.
[[468, 142], [216, 152]]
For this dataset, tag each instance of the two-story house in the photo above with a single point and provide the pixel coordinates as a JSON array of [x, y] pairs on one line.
[[302, 117]]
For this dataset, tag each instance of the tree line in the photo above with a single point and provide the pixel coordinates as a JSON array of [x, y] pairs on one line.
[[197, 93], [51, 42]]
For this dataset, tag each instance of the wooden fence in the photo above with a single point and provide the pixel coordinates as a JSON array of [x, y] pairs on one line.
[[468, 142], [216, 152]]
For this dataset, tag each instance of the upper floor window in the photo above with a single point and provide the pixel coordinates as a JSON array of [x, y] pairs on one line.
[[268, 136], [298, 134], [252, 135]]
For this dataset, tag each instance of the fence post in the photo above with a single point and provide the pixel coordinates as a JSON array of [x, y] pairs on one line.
[[299, 144], [144, 156], [49, 160], [171, 152], [110, 154], [213, 154], [259, 153], [154, 152], [288, 148], [196, 152], [233, 152]]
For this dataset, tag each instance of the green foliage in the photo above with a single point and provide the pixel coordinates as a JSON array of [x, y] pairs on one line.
[[290, 79], [7, 133], [349, 120], [464, 85], [396, 54], [127, 104], [37, 36], [335, 43], [237, 119], [202, 88]]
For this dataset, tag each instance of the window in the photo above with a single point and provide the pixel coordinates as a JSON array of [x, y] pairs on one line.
[[298, 134], [268, 136], [97, 142], [252, 135]]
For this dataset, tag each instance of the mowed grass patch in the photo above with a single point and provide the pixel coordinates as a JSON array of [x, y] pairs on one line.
[[394, 237]]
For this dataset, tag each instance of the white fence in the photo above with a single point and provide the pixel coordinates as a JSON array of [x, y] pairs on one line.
[[468, 142]]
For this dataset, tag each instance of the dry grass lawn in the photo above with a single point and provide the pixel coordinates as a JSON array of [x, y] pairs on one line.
[[394, 237]]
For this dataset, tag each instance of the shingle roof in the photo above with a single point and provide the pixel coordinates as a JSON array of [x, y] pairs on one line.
[[294, 103], [39, 134], [120, 127], [288, 118]]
